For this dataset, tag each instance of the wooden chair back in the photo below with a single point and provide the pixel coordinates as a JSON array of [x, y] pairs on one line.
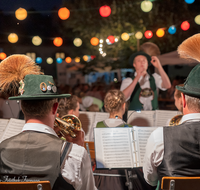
[[180, 183], [38, 185], [89, 145]]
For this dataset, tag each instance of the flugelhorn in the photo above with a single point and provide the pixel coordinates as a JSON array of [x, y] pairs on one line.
[[67, 124]]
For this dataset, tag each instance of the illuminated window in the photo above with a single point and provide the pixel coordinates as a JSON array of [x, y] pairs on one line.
[[31, 55], [60, 55]]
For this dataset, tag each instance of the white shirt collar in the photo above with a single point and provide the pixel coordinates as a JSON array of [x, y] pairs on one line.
[[39, 127], [145, 78], [190, 117]]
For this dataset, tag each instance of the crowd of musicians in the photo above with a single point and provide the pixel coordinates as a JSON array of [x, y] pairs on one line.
[[45, 152]]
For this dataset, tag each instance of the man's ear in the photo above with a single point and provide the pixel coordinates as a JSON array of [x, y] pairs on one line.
[[183, 99], [55, 107]]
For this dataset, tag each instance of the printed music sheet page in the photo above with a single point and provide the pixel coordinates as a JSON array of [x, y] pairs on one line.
[[3, 124], [141, 118], [14, 127], [113, 147], [121, 147], [89, 121], [164, 116], [142, 134], [100, 116]]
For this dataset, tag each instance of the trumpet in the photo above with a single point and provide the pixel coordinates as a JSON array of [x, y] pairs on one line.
[[175, 120], [67, 124]]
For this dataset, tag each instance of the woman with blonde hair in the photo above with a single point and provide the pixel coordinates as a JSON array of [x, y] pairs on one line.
[[115, 105]]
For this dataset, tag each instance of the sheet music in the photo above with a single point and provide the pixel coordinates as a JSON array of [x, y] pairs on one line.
[[3, 124], [100, 116], [14, 127], [164, 116], [142, 134], [121, 147], [87, 119], [142, 118], [113, 148]]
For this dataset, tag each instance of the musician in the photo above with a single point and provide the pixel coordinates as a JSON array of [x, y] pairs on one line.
[[179, 105], [115, 105], [174, 150], [70, 106], [37, 153], [142, 88], [177, 99]]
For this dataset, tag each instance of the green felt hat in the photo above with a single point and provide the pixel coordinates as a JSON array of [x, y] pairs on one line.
[[132, 57], [35, 87], [192, 84]]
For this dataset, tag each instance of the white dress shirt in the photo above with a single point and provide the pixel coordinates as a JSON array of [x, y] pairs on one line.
[[77, 168], [155, 150]]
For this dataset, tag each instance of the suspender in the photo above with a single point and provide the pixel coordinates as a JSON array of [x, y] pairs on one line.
[[65, 151]]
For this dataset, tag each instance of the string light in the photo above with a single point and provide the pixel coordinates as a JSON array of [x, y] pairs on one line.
[[148, 34], [146, 6], [58, 41], [105, 11], [160, 32], [36, 40], [185, 25], [94, 41], [59, 60], [13, 38], [68, 59], [49, 60], [63, 13], [21, 13]]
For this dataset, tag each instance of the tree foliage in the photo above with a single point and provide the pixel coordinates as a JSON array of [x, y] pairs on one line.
[[126, 16]]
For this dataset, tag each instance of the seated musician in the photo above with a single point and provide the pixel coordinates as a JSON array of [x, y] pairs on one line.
[[179, 105], [177, 99], [174, 151], [115, 105], [37, 153], [70, 106]]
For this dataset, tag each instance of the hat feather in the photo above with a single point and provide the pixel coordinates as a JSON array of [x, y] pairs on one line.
[[190, 48], [13, 69]]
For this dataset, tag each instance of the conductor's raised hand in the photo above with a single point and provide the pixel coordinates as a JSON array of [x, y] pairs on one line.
[[155, 62]]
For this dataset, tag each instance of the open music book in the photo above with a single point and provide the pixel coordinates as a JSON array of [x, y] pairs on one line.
[[121, 147], [142, 118], [10, 127], [89, 120], [151, 118]]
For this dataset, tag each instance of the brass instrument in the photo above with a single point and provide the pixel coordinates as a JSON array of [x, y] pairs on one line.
[[175, 120], [67, 124]]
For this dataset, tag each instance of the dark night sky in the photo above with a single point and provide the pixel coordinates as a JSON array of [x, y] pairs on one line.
[[39, 5]]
